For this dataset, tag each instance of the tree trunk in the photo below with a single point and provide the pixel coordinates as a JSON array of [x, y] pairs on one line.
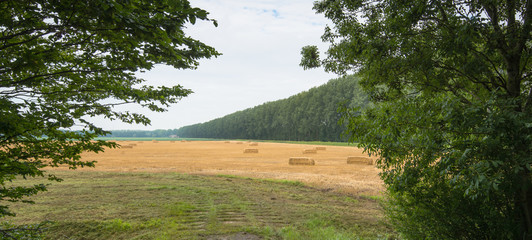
[[513, 84]]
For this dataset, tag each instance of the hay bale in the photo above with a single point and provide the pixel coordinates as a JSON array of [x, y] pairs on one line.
[[126, 146], [140, 142], [359, 160], [301, 161], [309, 151], [251, 150], [320, 148], [253, 144], [132, 144], [227, 142], [239, 143]]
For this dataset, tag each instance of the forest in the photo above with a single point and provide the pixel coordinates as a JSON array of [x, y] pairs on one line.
[[308, 116]]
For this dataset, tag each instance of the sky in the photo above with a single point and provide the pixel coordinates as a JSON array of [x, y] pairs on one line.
[[260, 41]]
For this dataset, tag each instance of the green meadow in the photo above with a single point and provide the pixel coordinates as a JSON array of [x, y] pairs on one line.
[[111, 205]]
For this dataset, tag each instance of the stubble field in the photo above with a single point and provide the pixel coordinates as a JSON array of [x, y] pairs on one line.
[[330, 172], [210, 190]]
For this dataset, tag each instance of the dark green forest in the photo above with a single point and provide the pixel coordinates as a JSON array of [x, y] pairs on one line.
[[308, 116]]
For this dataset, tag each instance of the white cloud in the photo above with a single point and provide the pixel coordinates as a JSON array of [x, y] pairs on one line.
[[260, 42]]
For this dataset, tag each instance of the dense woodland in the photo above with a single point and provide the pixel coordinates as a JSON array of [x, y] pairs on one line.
[[308, 116]]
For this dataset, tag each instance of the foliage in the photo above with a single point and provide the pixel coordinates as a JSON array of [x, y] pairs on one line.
[[452, 120], [310, 58], [66, 61], [308, 116], [27, 232]]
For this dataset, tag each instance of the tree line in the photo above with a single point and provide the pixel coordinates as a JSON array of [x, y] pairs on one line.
[[159, 133], [308, 116]]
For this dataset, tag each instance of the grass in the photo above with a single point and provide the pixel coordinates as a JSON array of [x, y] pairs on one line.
[[344, 144], [280, 181], [155, 138], [109, 205], [213, 139]]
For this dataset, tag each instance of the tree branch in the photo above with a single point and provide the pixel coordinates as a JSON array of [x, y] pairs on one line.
[[527, 26], [528, 103], [24, 42], [22, 81], [494, 19]]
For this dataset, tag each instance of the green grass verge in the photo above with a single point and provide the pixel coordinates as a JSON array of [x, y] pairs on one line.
[[213, 139], [107, 205], [345, 144], [155, 138]]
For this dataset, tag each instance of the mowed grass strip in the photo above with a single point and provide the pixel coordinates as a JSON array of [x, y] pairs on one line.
[[110, 205], [341, 144]]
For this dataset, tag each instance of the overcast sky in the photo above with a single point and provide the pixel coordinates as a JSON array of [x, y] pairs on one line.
[[260, 41]]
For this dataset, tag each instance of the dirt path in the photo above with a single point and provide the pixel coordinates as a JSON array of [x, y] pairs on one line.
[[330, 172]]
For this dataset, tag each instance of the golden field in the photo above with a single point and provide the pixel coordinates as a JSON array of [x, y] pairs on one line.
[[270, 160]]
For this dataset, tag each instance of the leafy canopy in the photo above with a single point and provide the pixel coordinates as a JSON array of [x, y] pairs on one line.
[[452, 120], [64, 61]]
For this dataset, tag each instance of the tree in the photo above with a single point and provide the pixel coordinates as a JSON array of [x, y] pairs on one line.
[[310, 116], [64, 61], [452, 115]]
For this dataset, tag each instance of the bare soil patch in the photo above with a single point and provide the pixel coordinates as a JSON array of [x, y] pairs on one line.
[[330, 172]]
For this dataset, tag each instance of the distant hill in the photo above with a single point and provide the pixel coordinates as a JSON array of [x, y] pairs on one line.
[[308, 116]]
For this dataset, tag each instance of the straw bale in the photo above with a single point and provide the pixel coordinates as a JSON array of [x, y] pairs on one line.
[[239, 143], [301, 161], [126, 146], [251, 150], [253, 144], [359, 160], [307, 151], [227, 142], [320, 148]]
